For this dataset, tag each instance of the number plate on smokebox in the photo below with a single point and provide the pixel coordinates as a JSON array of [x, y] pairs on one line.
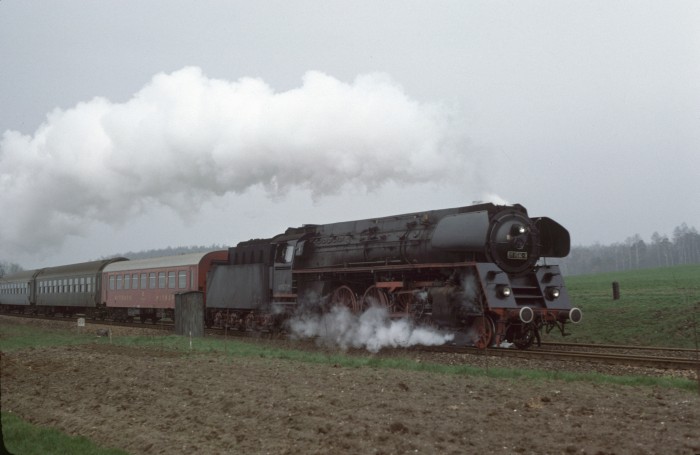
[[521, 255]]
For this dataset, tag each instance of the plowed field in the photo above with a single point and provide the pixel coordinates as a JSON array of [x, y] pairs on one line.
[[153, 401]]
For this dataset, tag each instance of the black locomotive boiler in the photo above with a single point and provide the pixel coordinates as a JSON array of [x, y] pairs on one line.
[[478, 271]]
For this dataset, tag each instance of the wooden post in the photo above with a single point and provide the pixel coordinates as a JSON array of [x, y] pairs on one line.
[[616, 290]]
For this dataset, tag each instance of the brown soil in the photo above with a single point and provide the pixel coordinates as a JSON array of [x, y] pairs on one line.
[[150, 401]]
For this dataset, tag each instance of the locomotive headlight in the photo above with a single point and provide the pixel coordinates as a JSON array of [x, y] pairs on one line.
[[503, 291], [517, 229], [553, 292]]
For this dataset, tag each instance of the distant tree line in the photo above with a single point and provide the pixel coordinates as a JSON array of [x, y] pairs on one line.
[[634, 253], [8, 268], [169, 251]]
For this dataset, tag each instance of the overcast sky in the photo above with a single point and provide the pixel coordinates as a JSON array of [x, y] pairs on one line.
[[129, 125]]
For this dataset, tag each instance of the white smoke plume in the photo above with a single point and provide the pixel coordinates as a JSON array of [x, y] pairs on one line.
[[371, 330], [185, 138]]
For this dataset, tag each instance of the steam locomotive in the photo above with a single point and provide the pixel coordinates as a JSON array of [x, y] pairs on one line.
[[477, 271], [474, 270]]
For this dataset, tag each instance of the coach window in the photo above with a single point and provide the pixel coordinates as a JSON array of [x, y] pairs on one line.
[[152, 280], [171, 280], [161, 280], [119, 282], [143, 281], [182, 279], [135, 281], [112, 280], [127, 281]]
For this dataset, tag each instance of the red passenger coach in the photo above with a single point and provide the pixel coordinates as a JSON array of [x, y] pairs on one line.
[[146, 288]]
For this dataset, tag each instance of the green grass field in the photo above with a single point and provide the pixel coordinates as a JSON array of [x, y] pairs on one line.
[[22, 438], [657, 307]]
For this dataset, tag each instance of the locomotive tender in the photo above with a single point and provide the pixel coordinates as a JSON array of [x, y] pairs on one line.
[[477, 271], [474, 270]]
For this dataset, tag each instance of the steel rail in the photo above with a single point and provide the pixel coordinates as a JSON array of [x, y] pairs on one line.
[[73, 320], [618, 346], [674, 363]]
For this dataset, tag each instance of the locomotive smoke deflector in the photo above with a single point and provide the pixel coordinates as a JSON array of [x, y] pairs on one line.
[[554, 238]]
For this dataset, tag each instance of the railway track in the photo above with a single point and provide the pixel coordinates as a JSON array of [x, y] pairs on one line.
[[640, 356], [676, 359], [73, 319], [621, 347]]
